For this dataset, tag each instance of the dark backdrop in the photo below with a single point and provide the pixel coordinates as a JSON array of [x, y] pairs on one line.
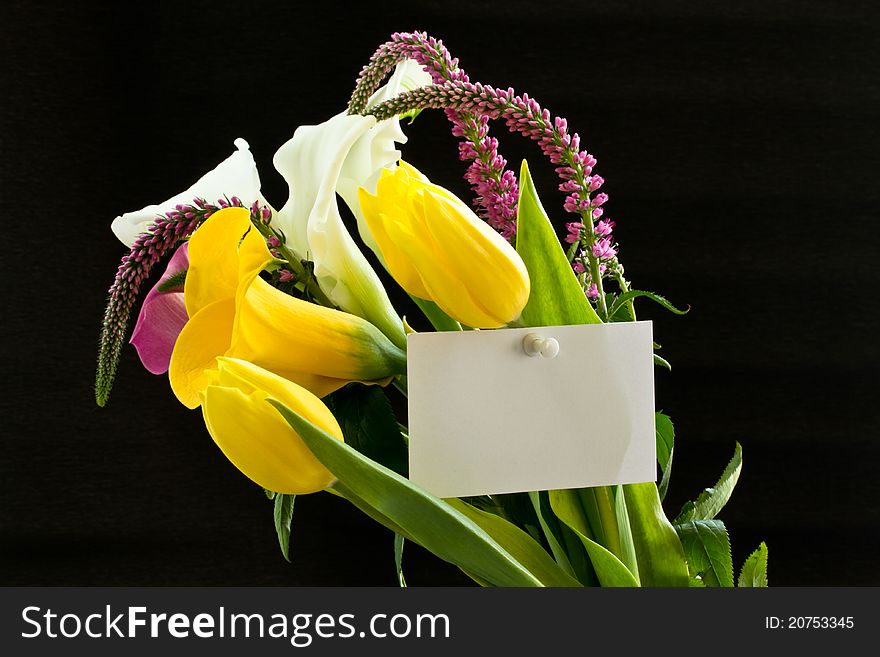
[[739, 144]]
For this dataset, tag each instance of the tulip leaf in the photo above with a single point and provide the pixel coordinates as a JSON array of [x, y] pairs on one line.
[[410, 510], [439, 319], [754, 570], [712, 500], [660, 556], [283, 519], [567, 548], [369, 425], [398, 559], [665, 436], [707, 548], [610, 570], [519, 544], [556, 299]]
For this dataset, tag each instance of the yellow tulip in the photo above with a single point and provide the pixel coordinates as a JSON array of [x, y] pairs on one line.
[[438, 249], [252, 433], [233, 312]]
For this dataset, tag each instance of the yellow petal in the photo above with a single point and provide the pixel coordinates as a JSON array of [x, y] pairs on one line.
[[291, 337], [205, 336], [256, 439], [213, 259]]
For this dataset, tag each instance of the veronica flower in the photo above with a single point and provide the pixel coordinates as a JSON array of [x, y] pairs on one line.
[[339, 156], [162, 316], [235, 176]]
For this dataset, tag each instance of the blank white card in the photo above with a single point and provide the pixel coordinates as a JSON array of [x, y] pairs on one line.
[[486, 418]]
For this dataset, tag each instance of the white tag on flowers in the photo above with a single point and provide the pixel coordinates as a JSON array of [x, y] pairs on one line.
[[487, 418]]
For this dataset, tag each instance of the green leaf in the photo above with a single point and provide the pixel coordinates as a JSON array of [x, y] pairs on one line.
[[283, 519], [409, 510], [662, 362], [660, 555], [439, 319], [707, 548], [557, 298], [754, 570], [610, 570], [627, 543], [665, 435], [398, 559], [518, 544], [712, 500], [369, 426], [622, 299]]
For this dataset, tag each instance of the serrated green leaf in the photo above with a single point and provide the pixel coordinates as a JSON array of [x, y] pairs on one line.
[[410, 510], [696, 583], [660, 555], [398, 559], [712, 500], [283, 520], [707, 548], [557, 298], [623, 298], [610, 570], [754, 570], [519, 544], [369, 426]]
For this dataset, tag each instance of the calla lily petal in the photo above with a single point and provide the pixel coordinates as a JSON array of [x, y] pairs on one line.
[[162, 317], [255, 437], [235, 176], [319, 348], [375, 150], [311, 163]]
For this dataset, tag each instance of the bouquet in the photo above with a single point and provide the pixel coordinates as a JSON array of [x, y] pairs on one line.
[[273, 322]]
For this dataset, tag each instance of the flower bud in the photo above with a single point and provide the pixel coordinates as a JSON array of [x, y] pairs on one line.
[[438, 249]]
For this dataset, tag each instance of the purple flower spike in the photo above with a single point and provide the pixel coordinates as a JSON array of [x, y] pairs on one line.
[[162, 317]]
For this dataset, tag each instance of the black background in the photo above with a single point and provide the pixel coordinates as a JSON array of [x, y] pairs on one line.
[[739, 144]]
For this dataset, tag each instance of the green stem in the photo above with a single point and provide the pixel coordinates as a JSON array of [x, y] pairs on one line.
[[608, 519]]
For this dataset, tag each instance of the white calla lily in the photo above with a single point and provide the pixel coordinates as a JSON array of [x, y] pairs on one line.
[[340, 155], [235, 176]]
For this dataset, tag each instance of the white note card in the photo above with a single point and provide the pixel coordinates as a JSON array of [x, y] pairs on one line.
[[486, 418]]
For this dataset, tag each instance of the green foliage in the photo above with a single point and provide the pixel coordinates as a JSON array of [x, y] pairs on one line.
[[707, 548], [712, 500], [410, 511], [660, 555], [557, 298], [610, 570], [283, 520], [620, 302], [519, 544], [754, 570], [665, 436], [398, 559], [368, 425]]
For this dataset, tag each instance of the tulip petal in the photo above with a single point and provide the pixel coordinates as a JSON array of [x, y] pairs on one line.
[[206, 335], [235, 176], [162, 317], [257, 440]]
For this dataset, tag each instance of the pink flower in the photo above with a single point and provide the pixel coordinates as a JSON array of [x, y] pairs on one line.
[[162, 317], [604, 249], [593, 292], [574, 231], [603, 228], [578, 267]]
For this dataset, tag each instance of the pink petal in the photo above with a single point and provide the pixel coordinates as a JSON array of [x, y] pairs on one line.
[[162, 317]]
